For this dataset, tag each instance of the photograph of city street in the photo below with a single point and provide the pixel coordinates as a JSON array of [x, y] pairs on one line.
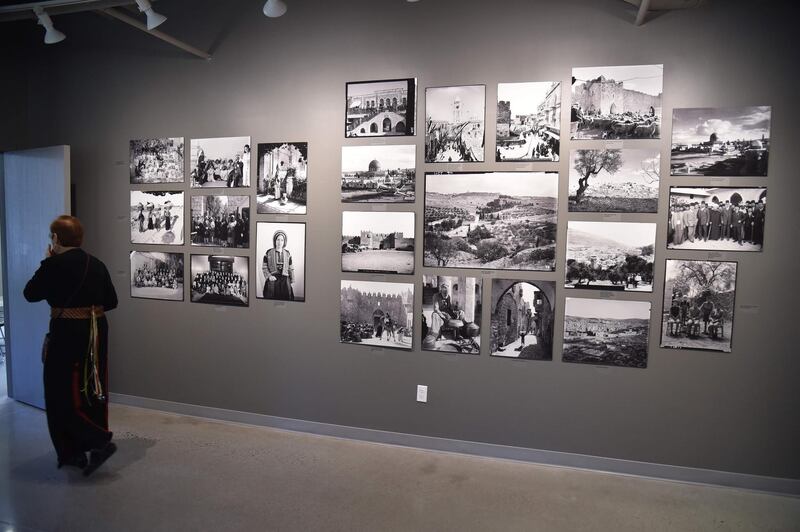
[[282, 179], [528, 121], [522, 319], [379, 174], [491, 220], [614, 180], [156, 217], [699, 298], [281, 261], [451, 314], [156, 161], [454, 124], [717, 218], [726, 141], [616, 102], [383, 108], [378, 242], [220, 280], [605, 332], [220, 162], [221, 221], [157, 275], [377, 314], [610, 255]]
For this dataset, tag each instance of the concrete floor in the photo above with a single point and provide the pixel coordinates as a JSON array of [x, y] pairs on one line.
[[175, 473]]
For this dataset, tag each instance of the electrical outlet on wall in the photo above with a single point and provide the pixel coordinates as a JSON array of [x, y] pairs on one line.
[[422, 393]]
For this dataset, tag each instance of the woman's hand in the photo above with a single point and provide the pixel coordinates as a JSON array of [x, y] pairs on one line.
[[271, 278], [49, 252]]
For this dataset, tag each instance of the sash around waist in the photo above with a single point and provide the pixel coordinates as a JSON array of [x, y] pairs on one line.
[[76, 313]]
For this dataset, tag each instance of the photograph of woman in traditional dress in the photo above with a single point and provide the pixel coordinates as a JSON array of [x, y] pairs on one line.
[[281, 248]]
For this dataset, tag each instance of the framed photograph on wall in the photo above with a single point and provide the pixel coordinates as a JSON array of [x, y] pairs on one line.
[[699, 299], [220, 280], [724, 141], [454, 124], [491, 220], [377, 314], [156, 275], [381, 108], [281, 261], [606, 332], [528, 121], [717, 218], [221, 221], [522, 319], [614, 180], [379, 174], [378, 242], [282, 181], [220, 162], [156, 161], [157, 217], [617, 102], [451, 314]]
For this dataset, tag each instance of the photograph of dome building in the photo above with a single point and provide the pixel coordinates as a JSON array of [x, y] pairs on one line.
[[378, 174]]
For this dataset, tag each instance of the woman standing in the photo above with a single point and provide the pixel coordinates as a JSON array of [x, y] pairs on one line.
[[78, 289], [278, 270]]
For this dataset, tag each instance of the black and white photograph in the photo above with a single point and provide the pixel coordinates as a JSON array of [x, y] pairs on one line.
[[281, 261], [606, 332], [528, 121], [614, 180], [378, 242], [451, 314], [156, 217], [717, 218], [156, 161], [610, 255], [491, 220], [382, 108], [282, 182], [522, 319], [220, 162], [724, 141], [221, 221], [379, 174], [699, 298], [377, 314], [616, 102], [156, 275], [454, 124], [220, 280]]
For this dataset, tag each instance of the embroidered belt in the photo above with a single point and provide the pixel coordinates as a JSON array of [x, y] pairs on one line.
[[76, 313]]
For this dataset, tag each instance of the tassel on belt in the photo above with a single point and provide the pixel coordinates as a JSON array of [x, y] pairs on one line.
[[76, 313]]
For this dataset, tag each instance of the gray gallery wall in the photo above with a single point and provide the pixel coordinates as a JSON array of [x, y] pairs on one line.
[[283, 79]]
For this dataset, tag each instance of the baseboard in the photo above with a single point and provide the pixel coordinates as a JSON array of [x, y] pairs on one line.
[[783, 486]]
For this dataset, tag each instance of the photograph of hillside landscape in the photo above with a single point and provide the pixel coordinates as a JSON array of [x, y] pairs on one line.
[[610, 255], [623, 180], [606, 333], [491, 220]]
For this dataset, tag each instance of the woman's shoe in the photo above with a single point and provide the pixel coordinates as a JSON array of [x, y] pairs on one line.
[[98, 457], [79, 460]]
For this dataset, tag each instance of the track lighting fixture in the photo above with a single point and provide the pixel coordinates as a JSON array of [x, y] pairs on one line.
[[154, 19], [274, 8], [51, 35]]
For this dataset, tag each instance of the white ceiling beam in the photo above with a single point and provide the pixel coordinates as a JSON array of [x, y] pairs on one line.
[[644, 7]]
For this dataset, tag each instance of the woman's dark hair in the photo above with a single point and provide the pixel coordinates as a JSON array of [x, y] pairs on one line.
[[69, 231]]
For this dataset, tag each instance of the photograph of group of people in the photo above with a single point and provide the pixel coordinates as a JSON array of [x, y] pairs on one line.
[[156, 217], [221, 221], [157, 275], [220, 280], [220, 162], [156, 160], [717, 219]]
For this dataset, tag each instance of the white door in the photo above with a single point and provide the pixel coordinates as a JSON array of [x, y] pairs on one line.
[[36, 190]]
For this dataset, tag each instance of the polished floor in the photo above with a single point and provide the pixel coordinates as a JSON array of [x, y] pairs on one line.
[[175, 473]]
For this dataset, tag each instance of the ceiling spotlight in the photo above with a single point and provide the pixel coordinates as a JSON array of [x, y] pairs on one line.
[[274, 8], [154, 19], [51, 35]]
